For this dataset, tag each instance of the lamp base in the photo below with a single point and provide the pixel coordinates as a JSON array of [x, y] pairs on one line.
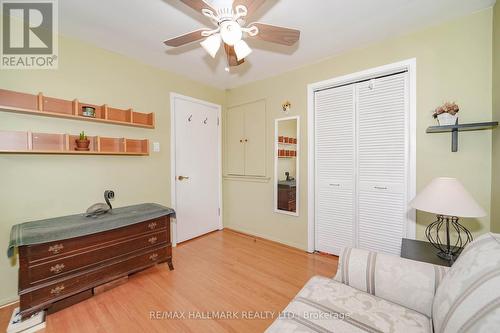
[[448, 251], [447, 256]]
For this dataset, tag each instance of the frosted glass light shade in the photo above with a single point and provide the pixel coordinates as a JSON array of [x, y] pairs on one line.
[[242, 50], [447, 196], [230, 32], [212, 44]]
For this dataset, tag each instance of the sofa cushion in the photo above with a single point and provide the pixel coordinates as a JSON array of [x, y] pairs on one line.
[[409, 283], [468, 298], [325, 305]]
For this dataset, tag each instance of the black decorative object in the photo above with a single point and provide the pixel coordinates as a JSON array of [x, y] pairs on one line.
[[448, 250], [99, 209]]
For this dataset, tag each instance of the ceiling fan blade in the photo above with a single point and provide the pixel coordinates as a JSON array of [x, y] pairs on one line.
[[186, 38], [198, 5], [275, 34], [232, 60], [252, 5]]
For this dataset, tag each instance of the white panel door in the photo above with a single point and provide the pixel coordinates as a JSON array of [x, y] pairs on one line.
[[335, 164], [383, 138], [197, 169]]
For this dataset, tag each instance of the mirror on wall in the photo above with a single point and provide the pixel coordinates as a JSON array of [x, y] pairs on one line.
[[286, 166]]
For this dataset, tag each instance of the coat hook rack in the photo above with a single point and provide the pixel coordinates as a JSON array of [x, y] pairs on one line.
[[454, 129]]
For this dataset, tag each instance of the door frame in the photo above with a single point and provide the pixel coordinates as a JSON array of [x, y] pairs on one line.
[[173, 171], [409, 65]]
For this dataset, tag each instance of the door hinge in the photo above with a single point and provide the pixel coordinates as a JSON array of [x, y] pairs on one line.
[[219, 211], [217, 121]]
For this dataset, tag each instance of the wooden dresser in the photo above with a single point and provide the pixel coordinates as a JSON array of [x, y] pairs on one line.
[[57, 274]]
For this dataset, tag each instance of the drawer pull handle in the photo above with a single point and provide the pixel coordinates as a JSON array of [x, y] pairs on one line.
[[336, 185], [152, 240], [153, 256], [55, 249], [57, 290], [57, 268], [152, 225], [380, 188]]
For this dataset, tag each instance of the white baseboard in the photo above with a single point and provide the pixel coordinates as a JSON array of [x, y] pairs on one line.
[[8, 302], [271, 238]]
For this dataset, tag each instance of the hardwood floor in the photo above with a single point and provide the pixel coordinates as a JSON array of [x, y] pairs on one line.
[[224, 273]]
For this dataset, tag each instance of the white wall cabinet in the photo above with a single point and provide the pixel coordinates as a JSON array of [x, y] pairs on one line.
[[246, 140], [362, 164]]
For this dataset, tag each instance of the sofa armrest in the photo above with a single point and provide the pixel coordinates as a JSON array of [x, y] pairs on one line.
[[409, 283]]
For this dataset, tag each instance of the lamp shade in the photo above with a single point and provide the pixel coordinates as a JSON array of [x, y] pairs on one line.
[[447, 196], [212, 44], [242, 50]]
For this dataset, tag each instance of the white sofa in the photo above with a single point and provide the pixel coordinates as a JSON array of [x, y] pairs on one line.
[[374, 292]]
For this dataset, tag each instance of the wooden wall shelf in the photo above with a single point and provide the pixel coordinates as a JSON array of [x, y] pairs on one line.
[[12, 142], [40, 105], [454, 129]]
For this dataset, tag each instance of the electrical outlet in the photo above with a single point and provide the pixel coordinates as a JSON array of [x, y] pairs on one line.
[[156, 147]]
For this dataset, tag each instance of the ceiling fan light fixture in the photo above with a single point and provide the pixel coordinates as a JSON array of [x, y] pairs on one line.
[[231, 26], [242, 50], [212, 44], [230, 32]]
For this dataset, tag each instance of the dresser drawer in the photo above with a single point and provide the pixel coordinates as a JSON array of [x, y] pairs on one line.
[[55, 269], [91, 278], [49, 251]]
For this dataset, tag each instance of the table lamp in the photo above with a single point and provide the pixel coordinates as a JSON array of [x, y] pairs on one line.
[[448, 199]]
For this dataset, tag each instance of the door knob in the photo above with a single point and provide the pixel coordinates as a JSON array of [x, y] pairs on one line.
[[181, 178]]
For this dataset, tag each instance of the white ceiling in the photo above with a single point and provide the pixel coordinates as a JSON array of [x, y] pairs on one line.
[[137, 29]]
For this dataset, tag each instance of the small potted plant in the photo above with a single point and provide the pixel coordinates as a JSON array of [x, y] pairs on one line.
[[82, 143], [446, 114]]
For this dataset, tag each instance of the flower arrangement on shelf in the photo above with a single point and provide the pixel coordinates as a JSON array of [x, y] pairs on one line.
[[447, 114]]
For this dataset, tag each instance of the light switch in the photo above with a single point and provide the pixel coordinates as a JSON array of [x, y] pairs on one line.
[[156, 147]]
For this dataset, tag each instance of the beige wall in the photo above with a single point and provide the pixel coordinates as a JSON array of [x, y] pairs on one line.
[[35, 187], [495, 182], [454, 62]]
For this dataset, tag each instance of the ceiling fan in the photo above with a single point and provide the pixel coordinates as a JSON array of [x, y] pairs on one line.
[[229, 17]]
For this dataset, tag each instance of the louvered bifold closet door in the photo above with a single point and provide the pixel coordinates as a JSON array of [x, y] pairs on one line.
[[334, 143], [382, 123]]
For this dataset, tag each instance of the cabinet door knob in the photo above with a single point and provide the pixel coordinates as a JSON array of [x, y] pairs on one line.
[[246, 140], [241, 140]]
